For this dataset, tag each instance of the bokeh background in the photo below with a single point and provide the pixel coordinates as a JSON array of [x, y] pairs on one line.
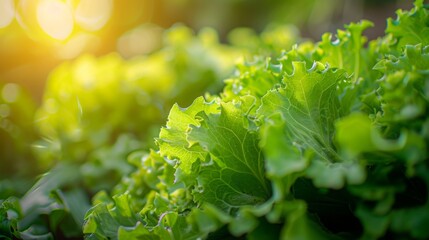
[[37, 35]]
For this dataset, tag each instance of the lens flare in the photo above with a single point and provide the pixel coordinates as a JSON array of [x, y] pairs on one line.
[[92, 15], [55, 18], [7, 12]]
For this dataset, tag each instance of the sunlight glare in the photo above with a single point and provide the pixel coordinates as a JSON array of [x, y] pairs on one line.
[[55, 18], [92, 15], [7, 12]]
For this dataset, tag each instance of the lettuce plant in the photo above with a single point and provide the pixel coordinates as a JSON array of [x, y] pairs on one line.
[[325, 140]]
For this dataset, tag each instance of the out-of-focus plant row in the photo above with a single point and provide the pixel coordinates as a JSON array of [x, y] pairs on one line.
[[30, 47]]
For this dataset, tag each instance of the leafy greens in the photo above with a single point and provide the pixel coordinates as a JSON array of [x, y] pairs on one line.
[[322, 141]]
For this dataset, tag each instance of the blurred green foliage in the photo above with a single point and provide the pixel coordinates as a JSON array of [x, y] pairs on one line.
[[93, 106], [16, 117], [17, 134]]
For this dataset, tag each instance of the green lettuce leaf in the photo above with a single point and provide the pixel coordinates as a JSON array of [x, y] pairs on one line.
[[309, 105], [347, 51], [172, 138], [410, 27], [234, 175]]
